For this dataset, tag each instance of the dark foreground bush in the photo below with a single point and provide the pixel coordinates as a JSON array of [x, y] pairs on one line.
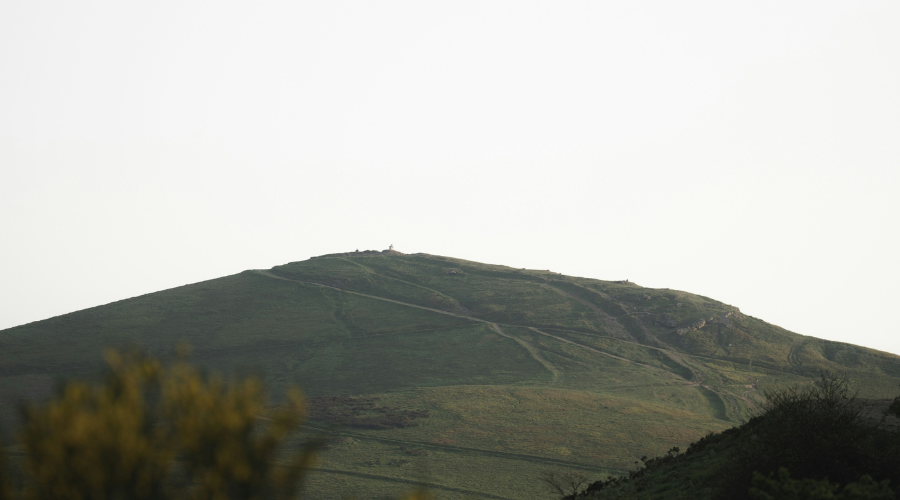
[[816, 433], [812, 442], [783, 487]]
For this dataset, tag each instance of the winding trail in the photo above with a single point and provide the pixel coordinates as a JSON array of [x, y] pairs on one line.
[[459, 449], [598, 351], [433, 486], [398, 280], [730, 398], [610, 321], [558, 376], [751, 405], [270, 275], [494, 326], [536, 354]]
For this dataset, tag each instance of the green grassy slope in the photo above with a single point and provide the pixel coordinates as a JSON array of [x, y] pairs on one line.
[[520, 371], [814, 434]]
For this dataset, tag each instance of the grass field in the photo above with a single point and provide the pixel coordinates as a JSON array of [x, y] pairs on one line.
[[521, 371]]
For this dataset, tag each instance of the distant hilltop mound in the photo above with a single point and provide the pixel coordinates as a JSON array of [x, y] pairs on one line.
[[357, 253]]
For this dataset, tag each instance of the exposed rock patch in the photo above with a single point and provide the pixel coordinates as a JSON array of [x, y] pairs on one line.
[[693, 326]]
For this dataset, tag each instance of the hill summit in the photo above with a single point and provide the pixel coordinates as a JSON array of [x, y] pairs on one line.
[[475, 378]]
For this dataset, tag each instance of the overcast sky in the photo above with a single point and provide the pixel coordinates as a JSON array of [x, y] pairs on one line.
[[745, 151]]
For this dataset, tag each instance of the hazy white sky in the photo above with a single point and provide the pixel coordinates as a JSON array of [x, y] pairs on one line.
[[746, 151]]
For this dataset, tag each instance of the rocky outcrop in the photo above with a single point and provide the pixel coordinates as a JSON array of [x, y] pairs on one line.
[[668, 321], [696, 325], [730, 315]]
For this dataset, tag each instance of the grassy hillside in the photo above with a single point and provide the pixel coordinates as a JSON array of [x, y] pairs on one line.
[[812, 439], [518, 371]]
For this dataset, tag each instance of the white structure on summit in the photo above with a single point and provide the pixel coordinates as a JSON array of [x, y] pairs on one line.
[[391, 247]]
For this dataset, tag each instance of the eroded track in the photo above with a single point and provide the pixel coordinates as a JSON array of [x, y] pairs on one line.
[[698, 378]]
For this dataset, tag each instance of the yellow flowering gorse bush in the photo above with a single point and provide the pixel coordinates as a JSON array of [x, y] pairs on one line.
[[151, 432]]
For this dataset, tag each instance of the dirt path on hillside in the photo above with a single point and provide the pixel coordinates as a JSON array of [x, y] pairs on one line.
[[270, 275], [751, 405], [697, 376], [630, 338], [452, 448], [410, 482], [557, 374], [677, 357], [494, 326], [598, 351], [536, 354], [432, 290], [597, 309], [609, 320], [731, 399]]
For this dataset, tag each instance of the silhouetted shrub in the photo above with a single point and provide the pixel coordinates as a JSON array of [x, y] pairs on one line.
[[816, 432], [820, 433], [783, 487]]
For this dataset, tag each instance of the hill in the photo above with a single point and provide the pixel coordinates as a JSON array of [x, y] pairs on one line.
[[474, 378], [815, 442]]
